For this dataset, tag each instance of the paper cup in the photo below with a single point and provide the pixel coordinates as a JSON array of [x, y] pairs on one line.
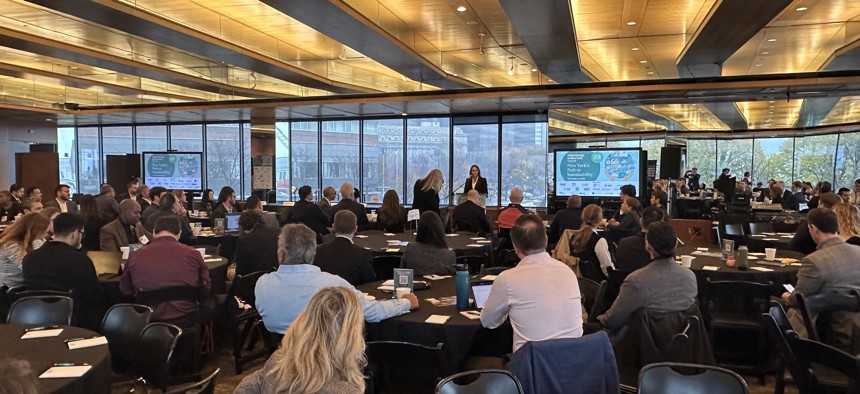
[[124, 250], [202, 252], [402, 291], [195, 230], [770, 254], [686, 261]]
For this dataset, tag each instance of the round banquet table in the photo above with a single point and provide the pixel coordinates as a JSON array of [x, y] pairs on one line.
[[458, 242], [778, 275], [217, 275], [42, 353], [227, 243], [461, 336], [758, 242]]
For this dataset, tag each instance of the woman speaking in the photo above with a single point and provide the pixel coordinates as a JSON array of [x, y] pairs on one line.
[[475, 181]]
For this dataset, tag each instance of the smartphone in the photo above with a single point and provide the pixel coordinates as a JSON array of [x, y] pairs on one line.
[[788, 287]]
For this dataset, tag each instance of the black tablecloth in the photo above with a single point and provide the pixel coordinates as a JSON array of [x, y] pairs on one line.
[[461, 336], [226, 241], [42, 353], [779, 275], [378, 243], [758, 242]]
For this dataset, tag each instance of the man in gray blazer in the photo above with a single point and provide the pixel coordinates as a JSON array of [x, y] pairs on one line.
[[325, 202], [125, 230], [62, 200], [831, 268]]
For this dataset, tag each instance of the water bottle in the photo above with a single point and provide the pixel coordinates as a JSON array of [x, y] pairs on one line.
[[742, 260], [462, 279]]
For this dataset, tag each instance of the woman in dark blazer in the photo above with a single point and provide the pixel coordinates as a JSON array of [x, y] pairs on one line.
[[425, 193], [475, 181]]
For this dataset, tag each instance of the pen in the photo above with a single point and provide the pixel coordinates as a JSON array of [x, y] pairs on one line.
[[41, 328], [474, 313], [74, 339], [70, 365]]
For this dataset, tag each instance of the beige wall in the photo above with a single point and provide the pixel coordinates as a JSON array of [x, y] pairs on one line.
[[16, 136]]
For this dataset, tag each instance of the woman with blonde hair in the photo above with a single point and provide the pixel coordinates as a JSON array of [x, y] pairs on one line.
[[425, 193], [848, 217], [590, 247], [322, 351], [25, 235]]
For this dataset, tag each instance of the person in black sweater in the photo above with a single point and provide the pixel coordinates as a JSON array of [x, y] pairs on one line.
[[631, 254], [341, 257], [469, 216], [308, 213], [256, 249], [425, 193], [60, 265], [347, 202], [568, 218]]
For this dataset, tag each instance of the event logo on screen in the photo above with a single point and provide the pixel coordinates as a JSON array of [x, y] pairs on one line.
[[575, 168], [595, 173], [174, 170]]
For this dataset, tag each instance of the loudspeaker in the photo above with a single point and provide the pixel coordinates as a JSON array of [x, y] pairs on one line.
[[670, 162]]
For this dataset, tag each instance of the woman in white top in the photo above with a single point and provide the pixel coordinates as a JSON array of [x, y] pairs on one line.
[[25, 235]]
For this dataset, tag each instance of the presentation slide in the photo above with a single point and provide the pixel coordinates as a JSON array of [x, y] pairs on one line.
[[173, 170], [596, 173]]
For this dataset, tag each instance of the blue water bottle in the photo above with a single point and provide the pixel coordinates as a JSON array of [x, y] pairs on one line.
[[462, 286]]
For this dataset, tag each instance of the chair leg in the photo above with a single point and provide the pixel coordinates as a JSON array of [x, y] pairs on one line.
[[779, 386]]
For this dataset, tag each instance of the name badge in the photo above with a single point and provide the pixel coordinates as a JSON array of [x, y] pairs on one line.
[[143, 239]]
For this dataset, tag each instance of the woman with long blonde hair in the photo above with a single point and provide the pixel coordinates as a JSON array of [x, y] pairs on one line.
[[322, 351], [22, 237], [848, 217], [425, 193], [590, 246]]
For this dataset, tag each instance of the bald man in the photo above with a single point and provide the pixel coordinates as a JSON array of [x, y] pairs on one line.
[[509, 214], [347, 202], [125, 230], [469, 216]]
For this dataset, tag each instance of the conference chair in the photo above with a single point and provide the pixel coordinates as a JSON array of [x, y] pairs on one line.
[[474, 262], [384, 266], [205, 386], [42, 310], [777, 326], [589, 291], [122, 326], [732, 311], [243, 321], [403, 367], [817, 308], [760, 227], [496, 381], [831, 367], [192, 325], [662, 378], [5, 303], [155, 354]]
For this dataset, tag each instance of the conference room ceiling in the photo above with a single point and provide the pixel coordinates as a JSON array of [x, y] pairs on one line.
[[117, 61]]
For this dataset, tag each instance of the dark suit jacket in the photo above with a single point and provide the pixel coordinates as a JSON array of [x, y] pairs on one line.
[[631, 254], [802, 241], [424, 200], [143, 204], [221, 212], [257, 251], [70, 205], [340, 257], [310, 215], [58, 266], [570, 218], [108, 207], [480, 186], [355, 208], [185, 237], [325, 205], [469, 216], [113, 235]]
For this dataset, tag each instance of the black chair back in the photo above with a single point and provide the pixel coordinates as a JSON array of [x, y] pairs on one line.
[[402, 367], [205, 386], [474, 262], [190, 346], [664, 378], [384, 266], [811, 352], [496, 381], [776, 324], [816, 309], [493, 270], [242, 318], [735, 302], [42, 310], [155, 352], [591, 270], [761, 227], [5, 303], [588, 290], [122, 326], [243, 287]]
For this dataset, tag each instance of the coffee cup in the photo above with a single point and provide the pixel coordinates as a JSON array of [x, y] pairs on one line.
[[402, 291], [124, 250], [195, 230], [686, 261], [770, 254]]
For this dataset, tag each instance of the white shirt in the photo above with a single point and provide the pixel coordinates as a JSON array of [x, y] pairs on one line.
[[62, 205], [542, 297], [601, 249]]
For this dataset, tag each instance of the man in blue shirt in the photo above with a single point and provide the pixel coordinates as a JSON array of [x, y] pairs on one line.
[[283, 294]]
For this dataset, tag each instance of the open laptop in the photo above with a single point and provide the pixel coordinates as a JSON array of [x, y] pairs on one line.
[[106, 263], [232, 223], [480, 292]]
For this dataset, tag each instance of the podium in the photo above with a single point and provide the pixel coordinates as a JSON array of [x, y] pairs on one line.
[[482, 199]]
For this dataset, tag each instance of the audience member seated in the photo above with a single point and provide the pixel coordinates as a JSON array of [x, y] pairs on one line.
[[62, 200], [854, 199], [509, 214], [168, 205], [283, 294], [207, 201], [328, 195], [226, 203], [631, 253], [164, 262], [308, 213], [341, 257], [589, 246], [106, 201], [660, 199], [802, 242], [469, 216], [181, 199], [849, 222], [821, 188], [33, 193], [322, 352], [347, 202], [626, 220], [845, 194], [429, 253], [93, 222], [17, 192], [831, 268], [30, 205], [256, 248], [8, 208], [25, 235], [391, 216], [154, 200], [568, 218], [124, 230], [661, 286], [540, 295], [60, 265], [51, 213]]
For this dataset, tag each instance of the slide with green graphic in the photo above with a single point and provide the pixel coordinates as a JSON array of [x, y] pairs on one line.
[[595, 173], [173, 170]]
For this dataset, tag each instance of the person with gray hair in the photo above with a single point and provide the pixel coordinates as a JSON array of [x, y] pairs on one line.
[[568, 218], [281, 295], [347, 201]]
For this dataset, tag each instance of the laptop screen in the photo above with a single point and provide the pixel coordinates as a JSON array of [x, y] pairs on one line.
[[802, 206], [480, 292], [232, 223]]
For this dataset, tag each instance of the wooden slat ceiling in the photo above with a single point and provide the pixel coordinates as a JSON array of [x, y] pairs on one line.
[[52, 58]]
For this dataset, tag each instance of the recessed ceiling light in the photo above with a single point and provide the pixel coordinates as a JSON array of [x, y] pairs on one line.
[[758, 65], [650, 73], [461, 8], [634, 49], [631, 23], [771, 40], [404, 114], [765, 53], [454, 74], [48, 120], [510, 72], [74, 67], [534, 70], [643, 61], [801, 9], [549, 80]]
